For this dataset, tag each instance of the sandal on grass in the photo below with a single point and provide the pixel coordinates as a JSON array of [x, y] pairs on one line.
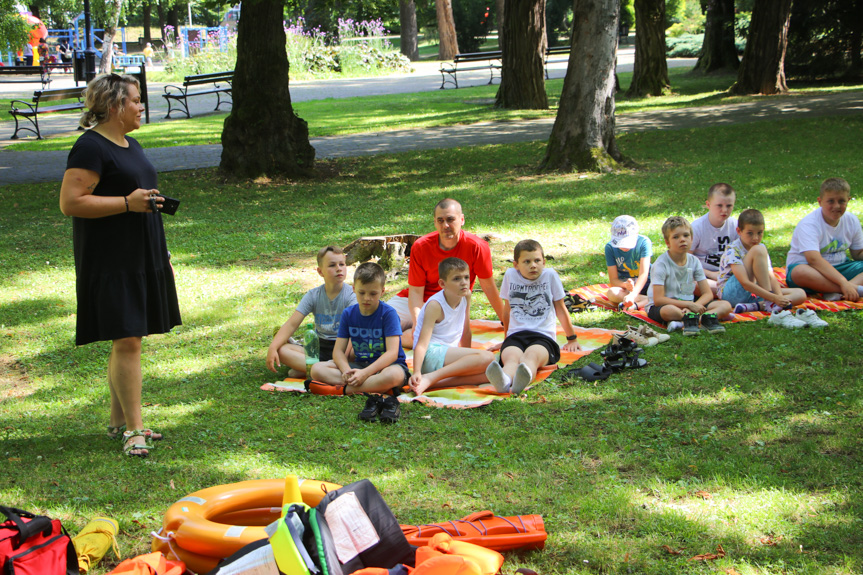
[[142, 449], [115, 431], [594, 372]]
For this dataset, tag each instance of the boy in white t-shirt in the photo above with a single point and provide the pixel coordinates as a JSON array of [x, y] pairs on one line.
[[817, 260], [442, 336], [326, 302], [714, 231], [673, 279], [532, 297]]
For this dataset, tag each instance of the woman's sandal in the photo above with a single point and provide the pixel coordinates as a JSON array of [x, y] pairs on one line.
[[116, 432], [143, 450]]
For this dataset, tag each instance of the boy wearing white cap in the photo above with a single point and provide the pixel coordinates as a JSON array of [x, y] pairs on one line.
[[627, 256]]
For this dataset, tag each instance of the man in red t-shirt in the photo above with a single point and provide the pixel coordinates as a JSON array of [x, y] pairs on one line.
[[427, 252]]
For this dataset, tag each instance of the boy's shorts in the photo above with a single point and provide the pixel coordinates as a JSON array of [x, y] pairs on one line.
[[326, 349], [364, 364], [734, 293], [524, 339], [653, 313], [849, 270], [435, 357]]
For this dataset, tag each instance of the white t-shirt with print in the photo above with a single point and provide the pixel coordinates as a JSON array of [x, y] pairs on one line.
[[709, 242], [531, 303], [814, 234], [678, 281]]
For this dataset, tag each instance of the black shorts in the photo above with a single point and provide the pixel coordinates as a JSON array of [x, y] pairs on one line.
[[524, 339], [646, 286], [364, 364], [326, 349], [653, 313]]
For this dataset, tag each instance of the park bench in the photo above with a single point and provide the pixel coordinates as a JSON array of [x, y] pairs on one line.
[[556, 54], [469, 62], [31, 74], [180, 95], [70, 98]]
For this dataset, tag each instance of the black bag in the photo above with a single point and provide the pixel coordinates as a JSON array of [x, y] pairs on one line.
[[35, 545]]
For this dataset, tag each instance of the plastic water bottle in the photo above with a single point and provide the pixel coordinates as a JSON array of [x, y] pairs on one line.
[[312, 348]]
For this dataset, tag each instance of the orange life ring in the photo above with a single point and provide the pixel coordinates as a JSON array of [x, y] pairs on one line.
[[208, 525]]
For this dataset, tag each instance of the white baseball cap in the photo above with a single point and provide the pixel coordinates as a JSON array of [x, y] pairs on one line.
[[624, 232]]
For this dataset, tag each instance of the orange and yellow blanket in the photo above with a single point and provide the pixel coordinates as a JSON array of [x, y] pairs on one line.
[[485, 335], [596, 294]]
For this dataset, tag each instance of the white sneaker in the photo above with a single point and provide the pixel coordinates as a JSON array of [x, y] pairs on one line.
[[649, 332], [810, 318], [785, 319], [500, 380]]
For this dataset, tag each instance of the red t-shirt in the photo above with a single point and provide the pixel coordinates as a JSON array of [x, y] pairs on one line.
[[426, 254]]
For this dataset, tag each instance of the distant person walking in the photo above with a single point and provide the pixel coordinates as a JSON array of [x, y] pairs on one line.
[[148, 55], [28, 54], [44, 59], [65, 52]]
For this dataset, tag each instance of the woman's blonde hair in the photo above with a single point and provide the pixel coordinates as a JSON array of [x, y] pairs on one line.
[[104, 93]]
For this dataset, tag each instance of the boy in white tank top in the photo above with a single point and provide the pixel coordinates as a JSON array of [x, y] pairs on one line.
[[442, 335]]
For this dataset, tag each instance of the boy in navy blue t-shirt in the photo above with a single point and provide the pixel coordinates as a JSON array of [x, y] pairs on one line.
[[374, 330]]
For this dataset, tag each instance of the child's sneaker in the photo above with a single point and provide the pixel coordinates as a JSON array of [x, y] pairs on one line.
[[648, 331], [785, 319], [635, 335], [372, 409], [500, 380], [746, 307], [711, 324], [390, 411], [521, 380], [810, 318], [690, 323]]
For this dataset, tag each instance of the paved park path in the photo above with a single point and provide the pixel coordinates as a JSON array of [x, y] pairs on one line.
[[24, 166]]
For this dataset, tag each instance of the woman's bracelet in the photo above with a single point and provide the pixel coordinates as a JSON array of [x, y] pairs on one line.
[[126, 199]]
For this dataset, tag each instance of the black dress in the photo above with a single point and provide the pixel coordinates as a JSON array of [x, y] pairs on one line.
[[125, 283]]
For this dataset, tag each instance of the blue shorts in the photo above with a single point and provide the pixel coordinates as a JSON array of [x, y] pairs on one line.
[[849, 270], [435, 357], [734, 293]]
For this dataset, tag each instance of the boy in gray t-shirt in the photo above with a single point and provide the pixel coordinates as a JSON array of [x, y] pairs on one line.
[[673, 279], [326, 303]]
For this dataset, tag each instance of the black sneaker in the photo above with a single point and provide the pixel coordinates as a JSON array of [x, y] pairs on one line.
[[711, 323], [690, 323], [372, 409], [390, 409]]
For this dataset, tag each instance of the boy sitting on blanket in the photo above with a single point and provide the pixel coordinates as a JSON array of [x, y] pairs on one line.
[[817, 260], [532, 296], [627, 256], [442, 335], [746, 278], [326, 302], [374, 330], [673, 279], [713, 232]]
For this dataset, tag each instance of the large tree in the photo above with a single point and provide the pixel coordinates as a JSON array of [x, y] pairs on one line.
[[522, 78], [448, 47], [650, 71], [583, 134], [718, 52], [762, 70], [262, 134], [408, 24]]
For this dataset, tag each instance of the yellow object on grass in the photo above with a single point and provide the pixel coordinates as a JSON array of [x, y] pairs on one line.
[[93, 542]]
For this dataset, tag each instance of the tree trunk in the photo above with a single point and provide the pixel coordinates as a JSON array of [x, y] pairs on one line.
[[408, 23], [105, 66], [583, 134], [446, 30], [650, 71], [160, 14], [522, 83], [148, 21], [262, 135], [762, 70], [718, 52], [501, 6]]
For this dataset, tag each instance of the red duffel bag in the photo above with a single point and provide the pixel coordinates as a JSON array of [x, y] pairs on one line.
[[35, 545]]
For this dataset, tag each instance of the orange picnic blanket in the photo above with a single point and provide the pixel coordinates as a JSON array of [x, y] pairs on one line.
[[596, 294], [485, 335]]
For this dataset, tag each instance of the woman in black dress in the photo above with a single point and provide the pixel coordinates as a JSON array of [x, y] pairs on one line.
[[124, 280]]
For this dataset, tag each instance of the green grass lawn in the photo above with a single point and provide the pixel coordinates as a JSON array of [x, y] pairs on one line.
[[333, 117], [749, 440]]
